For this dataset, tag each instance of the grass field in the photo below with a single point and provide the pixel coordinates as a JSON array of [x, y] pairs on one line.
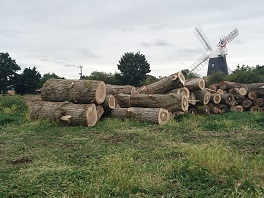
[[191, 156]]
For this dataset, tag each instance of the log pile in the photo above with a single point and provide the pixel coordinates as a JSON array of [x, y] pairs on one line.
[[239, 97], [85, 102]]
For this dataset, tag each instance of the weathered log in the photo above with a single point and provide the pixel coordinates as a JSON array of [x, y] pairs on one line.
[[192, 99], [226, 85], [238, 108], [252, 95], [153, 115], [215, 98], [100, 111], [195, 84], [123, 100], [213, 108], [254, 86], [255, 108], [234, 91], [202, 96], [65, 112], [182, 90], [220, 91], [173, 81], [109, 102], [258, 102], [222, 108], [172, 102], [228, 99], [116, 89], [247, 103], [214, 87], [239, 98], [202, 109], [77, 91]]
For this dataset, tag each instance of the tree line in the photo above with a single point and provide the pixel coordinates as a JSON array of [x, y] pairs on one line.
[[133, 68]]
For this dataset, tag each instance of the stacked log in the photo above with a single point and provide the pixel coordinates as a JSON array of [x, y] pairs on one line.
[[72, 102], [240, 97], [85, 102]]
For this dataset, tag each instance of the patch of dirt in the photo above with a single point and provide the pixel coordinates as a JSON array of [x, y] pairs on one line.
[[21, 161]]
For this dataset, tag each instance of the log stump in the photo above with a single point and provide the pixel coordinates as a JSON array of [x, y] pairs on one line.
[[195, 84]]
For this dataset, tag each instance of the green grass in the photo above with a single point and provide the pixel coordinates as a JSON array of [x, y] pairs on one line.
[[191, 156]]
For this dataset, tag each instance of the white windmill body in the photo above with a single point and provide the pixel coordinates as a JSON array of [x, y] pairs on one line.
[[214, 58]]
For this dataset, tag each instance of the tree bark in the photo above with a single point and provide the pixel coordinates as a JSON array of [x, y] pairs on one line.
[[213, 108], [172, 102], [202, 96], [65, 112], [195, 84], [77, 91], [117, 89], [100, 111], [153, 115], [123, 100], [228, 99], [164, 85], [226, 85], [234, 91]]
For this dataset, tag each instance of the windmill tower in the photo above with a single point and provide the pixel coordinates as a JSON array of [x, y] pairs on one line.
[[214, 58]]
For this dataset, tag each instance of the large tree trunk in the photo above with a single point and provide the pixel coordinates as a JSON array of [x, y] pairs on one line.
[[202, 96], [66, 112], [247, 104], [228, 99], [238, 108], [77, 91], [123, 100], [226, 85], [153, 115], [252, 95], [164, 85], [116, 89], [172, 102], [239, 98], [100, 111], [195, 84], [258, 102]]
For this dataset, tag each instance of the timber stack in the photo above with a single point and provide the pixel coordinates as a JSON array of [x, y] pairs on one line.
[[85, 102]]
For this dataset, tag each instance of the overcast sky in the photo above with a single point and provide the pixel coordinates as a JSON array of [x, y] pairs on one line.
[[59, 35]]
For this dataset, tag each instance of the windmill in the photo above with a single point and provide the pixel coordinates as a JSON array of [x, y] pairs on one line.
[[214, 58]]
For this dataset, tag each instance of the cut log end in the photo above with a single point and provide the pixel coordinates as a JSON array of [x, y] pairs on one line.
[[163, 116], [216, 98], [185, 103], [202, 84], [91, 115], [100, 93], [181, 77], [242, 91]]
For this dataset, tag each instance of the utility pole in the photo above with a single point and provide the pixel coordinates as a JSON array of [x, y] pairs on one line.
[[80, 70]]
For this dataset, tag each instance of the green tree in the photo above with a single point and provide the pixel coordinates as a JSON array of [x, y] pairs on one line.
[[188, 74], [216, 77], [150, 79], [47, 76], [8, 69], [28, 82], [108, 78], [133, 68], [246, 74]]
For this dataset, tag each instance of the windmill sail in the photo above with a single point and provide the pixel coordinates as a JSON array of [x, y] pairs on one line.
[[199, 63], [199, 33]]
